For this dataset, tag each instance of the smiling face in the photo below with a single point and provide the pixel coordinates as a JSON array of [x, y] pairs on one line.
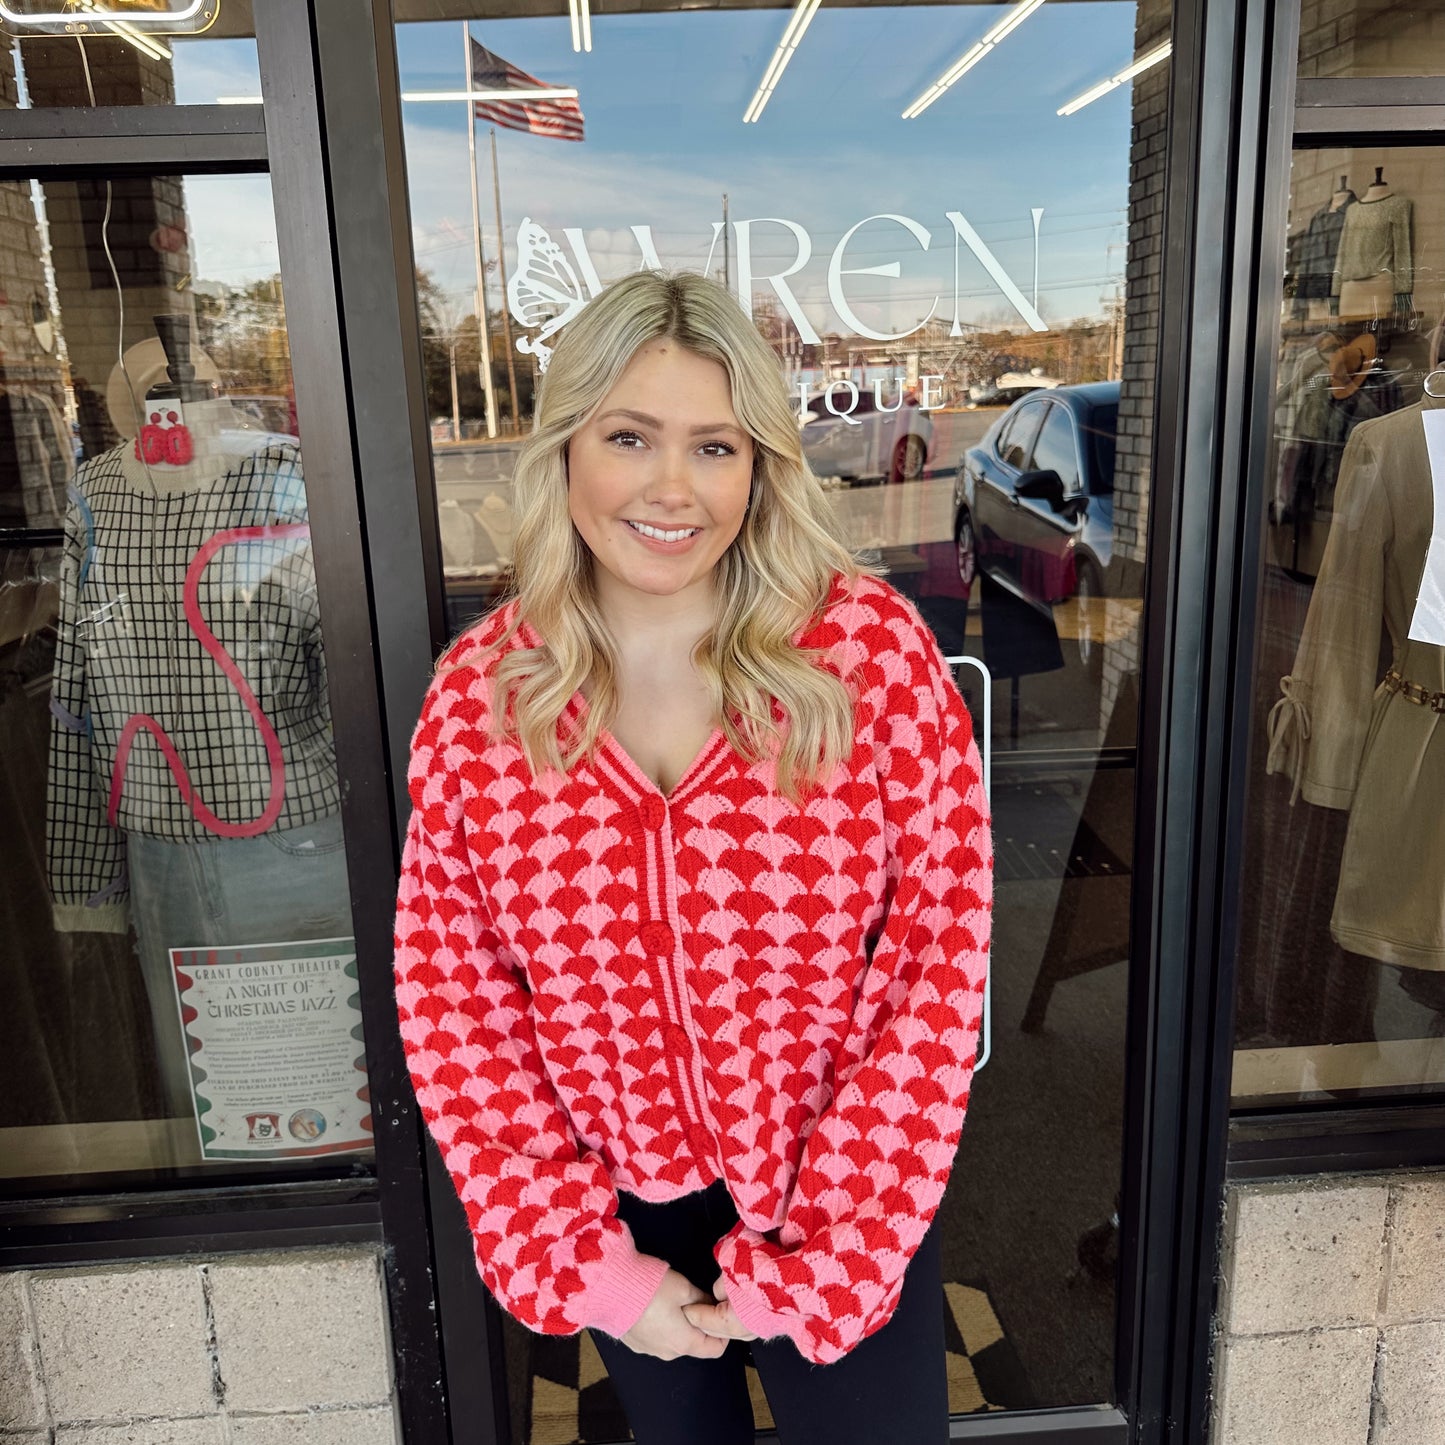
[[665, 452]]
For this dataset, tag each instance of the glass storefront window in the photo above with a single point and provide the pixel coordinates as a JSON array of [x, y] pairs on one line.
[[180, 983], [160, 54], [959, 272], [1371, 38], [1342, 960]]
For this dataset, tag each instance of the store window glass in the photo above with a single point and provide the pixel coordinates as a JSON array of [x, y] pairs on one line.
[[1342, 959], [178, 965], [938, 256], [1371, 38], [128, 52]]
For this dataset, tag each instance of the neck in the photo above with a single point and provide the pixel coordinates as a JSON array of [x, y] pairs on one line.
[[1377, 193], [652, 625]]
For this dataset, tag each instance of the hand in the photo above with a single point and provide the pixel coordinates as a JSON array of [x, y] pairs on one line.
[[664, 1329], [719, 1320]]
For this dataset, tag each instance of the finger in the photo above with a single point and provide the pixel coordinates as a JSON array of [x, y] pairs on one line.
[[707, 1319]]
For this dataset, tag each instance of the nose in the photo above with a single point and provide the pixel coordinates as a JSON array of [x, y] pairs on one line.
[[671, 483]]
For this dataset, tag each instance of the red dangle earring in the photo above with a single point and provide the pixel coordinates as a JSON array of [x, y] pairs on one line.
[[165, 439]]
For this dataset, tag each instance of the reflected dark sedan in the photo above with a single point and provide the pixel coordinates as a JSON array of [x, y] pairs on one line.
[[1034, 504]]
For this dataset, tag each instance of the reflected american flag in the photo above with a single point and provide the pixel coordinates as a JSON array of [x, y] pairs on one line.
[[561, 118]]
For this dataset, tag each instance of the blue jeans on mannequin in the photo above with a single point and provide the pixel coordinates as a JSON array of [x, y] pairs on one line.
[[891, 1389]]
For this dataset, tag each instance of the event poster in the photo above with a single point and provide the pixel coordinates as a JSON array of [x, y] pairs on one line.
[[274, 1033]]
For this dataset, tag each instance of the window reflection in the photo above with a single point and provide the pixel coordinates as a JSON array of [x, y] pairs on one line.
[[180, 961], [1371, 38], [964, 304], [1343, 944]]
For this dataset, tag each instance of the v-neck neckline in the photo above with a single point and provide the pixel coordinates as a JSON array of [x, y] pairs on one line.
[[577, 710]]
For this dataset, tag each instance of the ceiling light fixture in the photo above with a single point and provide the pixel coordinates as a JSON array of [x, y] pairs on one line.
[[67, 16], [801, 18], [972, 56], [581, 24], [1152, 57]]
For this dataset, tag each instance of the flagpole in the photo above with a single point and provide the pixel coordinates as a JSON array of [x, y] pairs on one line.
[[502, 263], [483, 331]]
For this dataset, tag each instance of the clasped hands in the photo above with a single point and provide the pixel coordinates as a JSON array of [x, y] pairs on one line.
[[681, 1320]]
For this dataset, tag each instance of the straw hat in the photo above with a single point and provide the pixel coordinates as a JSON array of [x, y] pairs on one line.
[[1350, 364], [145, 364]]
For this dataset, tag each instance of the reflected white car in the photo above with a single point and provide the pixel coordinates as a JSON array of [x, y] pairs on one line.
[[871, 444]]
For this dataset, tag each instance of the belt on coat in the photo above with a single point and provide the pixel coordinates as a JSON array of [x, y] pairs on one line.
[[1415, 692]]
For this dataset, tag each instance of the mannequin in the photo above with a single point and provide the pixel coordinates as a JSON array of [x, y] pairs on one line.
[[1347, 740], [1374, 274], [1315, 251], [192, 787], [1379, 188]]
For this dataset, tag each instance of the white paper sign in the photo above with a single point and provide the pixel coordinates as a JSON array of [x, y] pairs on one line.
[[274, 1033], [1428, 623]]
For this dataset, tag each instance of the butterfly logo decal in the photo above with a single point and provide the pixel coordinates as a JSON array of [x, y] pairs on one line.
[[543, 291]]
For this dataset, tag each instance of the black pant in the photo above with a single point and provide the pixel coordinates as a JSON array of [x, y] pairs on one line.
[[891, 1389]]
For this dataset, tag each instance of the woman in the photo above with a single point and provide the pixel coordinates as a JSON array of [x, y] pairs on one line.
[[693, 922]]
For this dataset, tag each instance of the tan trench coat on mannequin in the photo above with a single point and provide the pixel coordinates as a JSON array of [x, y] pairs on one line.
[[1342, 734]]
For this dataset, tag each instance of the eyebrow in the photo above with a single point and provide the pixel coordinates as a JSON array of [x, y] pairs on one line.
[[652, 421]]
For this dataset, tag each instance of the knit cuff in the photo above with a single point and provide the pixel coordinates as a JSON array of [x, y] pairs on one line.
[[753, 1310], [82, 918], [626, 1283]]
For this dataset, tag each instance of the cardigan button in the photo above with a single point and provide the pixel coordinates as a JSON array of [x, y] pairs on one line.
[[656, 937], [676, 1038], [701, 1141], [652, 811]]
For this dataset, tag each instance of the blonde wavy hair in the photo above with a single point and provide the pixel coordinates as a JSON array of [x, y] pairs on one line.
[[771, 582]]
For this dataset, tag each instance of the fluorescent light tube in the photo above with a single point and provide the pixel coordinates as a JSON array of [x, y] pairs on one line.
[[797, 25], [132, 36], [1143, 63], [581, 15], [973, 55], [558, 93], [1012, 20]]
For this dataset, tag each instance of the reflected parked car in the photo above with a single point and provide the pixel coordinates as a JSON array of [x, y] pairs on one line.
[[887, 444], [1034, 504]]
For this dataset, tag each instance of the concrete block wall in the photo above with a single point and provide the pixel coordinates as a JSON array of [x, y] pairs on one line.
[[257, 1349], [1331, 1326]]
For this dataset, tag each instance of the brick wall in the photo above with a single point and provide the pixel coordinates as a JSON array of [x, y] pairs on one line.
[[1143, 280]]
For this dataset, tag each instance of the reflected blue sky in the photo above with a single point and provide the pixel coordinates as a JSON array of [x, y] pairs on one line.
[[664, 95]]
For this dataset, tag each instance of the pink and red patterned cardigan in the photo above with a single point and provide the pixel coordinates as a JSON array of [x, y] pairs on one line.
[[603, 987]]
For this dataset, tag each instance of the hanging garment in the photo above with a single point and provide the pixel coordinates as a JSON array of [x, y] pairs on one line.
[[1315, 251], [189, 692], [1351, 741], [1378, 237]]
